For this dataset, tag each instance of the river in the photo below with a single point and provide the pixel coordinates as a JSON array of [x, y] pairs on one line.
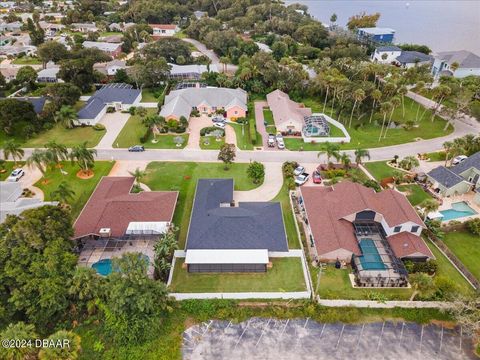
[[442, 25]]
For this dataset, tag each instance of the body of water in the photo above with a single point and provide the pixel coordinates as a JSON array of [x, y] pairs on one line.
[[442, 25]]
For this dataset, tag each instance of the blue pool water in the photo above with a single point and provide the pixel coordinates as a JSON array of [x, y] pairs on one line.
[[370, 259], [458, 210], [104, 267]]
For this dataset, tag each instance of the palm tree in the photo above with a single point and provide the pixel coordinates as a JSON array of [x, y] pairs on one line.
[[385, 108], [439, 94], [84, 157], [224, 60], [66, 116], [376, 96], [402, 91], [138, 175], [360, 154], [71, 352], [419, 88], [395, 101], [56, 152], [331, 150], [39, 159], [358, 96], [421, 283], [12, 149], [428, 206], [63, 193], [326, 82], [345, 160]]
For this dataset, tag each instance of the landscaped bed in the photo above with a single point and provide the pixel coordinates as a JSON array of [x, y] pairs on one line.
[[183, 176], [466, 247], [286, 274], [83, 187]]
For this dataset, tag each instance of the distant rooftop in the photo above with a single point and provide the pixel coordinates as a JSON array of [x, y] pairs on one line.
[[464, 58], [377, 30]]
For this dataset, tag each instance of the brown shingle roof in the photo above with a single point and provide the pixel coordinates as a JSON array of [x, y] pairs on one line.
[[407, 244], [285, 111], [327, 208], [113, 206]]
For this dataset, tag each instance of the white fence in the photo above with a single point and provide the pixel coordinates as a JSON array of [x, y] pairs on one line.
[[346, 138], [149, 105]]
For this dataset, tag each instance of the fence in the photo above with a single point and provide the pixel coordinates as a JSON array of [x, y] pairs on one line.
[[346, 138], [453, 259]]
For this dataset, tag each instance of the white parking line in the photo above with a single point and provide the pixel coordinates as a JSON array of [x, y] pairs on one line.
[[381, 334], [321, 332], [243, 332], [421, 339], [285, 327], [359, 337], [461, 336], [441, 341], [340, 337], [263, 331], [210, 323], [401, 333]]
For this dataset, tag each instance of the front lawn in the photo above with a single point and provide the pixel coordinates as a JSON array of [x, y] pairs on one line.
[[365, 135], [68, 137], [415, 193], [466, 247], [134, 130], [183, 176], [437, 156], [286, 274], [270, 124], [83, 188], [379, 169], [27, 60], [8, 168], [213, 144], [243, 139]]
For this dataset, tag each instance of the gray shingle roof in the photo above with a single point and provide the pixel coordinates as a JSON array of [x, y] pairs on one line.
[[388, 48], [410, 57], [464, 58], [450, 177], [38, 103], [250, 225], [471, 161]]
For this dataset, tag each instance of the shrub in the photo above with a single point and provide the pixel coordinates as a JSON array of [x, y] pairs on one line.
[[372, 184], [98, 127], [145, 137], [207, 130], [288, 167], [180, 129], [253, 132], [172, 123], [333, 173], [473, 226], [110, 109], [195, 113], [132, 110]]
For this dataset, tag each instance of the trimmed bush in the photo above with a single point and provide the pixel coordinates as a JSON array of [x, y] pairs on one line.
[[110, 109], [207, 130], [473, 226], [98, 127]]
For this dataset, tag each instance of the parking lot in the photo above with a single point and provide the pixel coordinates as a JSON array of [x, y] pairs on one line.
[[260, 338]]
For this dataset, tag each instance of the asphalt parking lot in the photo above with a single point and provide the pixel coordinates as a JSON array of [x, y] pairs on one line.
[[260, 338]]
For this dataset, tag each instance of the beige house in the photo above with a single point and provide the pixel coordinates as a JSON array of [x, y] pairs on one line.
[[288, 115]]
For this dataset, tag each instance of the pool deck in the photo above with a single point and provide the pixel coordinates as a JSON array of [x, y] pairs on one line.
[[468, 198]]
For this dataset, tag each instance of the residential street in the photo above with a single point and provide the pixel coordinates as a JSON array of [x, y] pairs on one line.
[[210, 54]]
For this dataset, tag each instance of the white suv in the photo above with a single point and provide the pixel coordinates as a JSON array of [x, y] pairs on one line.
[[16, 175]]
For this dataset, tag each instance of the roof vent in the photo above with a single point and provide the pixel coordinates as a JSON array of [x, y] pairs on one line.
[[105, 232]]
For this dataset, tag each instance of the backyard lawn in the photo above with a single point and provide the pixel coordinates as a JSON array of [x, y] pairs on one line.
[[67, 137], [366, 135], [213, 144], [286, 274], [379, 169], [8, 167], [415, 193], [467, 248], [134, 130], [153, 94], [183, 176], [83, 187]]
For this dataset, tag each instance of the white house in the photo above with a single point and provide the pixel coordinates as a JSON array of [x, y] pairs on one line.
[[386, 54], [468, 64], [163, 30]]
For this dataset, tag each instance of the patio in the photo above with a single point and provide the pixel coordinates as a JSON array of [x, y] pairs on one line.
[[468, 198]]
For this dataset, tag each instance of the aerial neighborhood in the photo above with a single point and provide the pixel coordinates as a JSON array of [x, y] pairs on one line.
[[197, 180]]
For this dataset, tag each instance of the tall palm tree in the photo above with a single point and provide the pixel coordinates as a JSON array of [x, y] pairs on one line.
[[39, 159], [138, 175], [56, 152], [358, 96], [345, 160], [395, 101], [402, 91], [331, 150], [84, 157], [385, 108], [376, 96], [326, 82], [360, 154], [439, 94], [63, 193], [12, 149], [66, 116], [419, 88], [428, 206]]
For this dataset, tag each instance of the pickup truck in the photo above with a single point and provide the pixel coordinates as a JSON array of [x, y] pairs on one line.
[[302, 178]]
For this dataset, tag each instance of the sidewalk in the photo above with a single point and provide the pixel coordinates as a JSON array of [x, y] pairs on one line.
[[385, 304]]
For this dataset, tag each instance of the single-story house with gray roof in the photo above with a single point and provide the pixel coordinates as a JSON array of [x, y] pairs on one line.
[[458, 179], [119, 96], [228, 237], [408, 59]]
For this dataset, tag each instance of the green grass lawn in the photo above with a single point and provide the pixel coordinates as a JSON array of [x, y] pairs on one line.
[[243, 140], [288, 218], [183, 176], [379, 169], [134, 130], [268, 116], [213, 143], [286, 274], [67, 137], [416, 194], [466, 246], [110, 33], [83, 188], [8, 167], [366, 135], [437, 156], [153, 94], [27, 60]]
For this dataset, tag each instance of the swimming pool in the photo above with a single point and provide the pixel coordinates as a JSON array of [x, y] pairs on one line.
[[458, 210], [370, 258], [104, 267]]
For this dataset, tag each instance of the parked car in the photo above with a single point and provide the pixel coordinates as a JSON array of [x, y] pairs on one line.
[[16, 175], [302, 179], [220, 125], [459, 159], [280, 144], [298, 170], [219, 119], [316, 177], [271, 140], [136, 148], [279, 137]]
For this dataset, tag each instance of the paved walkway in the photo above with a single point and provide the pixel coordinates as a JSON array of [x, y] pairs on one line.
[[196, 124], [268, 190], [123, 168], [384, 304], [32, 175], [114, 123]]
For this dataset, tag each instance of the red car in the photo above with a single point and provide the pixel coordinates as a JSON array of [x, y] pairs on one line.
[[317, 178]]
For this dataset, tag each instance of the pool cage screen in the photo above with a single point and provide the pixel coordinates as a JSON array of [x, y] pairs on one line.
[[316, 125]]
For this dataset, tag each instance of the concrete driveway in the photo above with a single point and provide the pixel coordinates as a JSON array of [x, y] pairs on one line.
[[32, 175], [114, 123], [271, 186], [195, 124]]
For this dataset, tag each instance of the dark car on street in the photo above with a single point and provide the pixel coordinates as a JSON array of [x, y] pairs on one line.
[[136, 148]]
